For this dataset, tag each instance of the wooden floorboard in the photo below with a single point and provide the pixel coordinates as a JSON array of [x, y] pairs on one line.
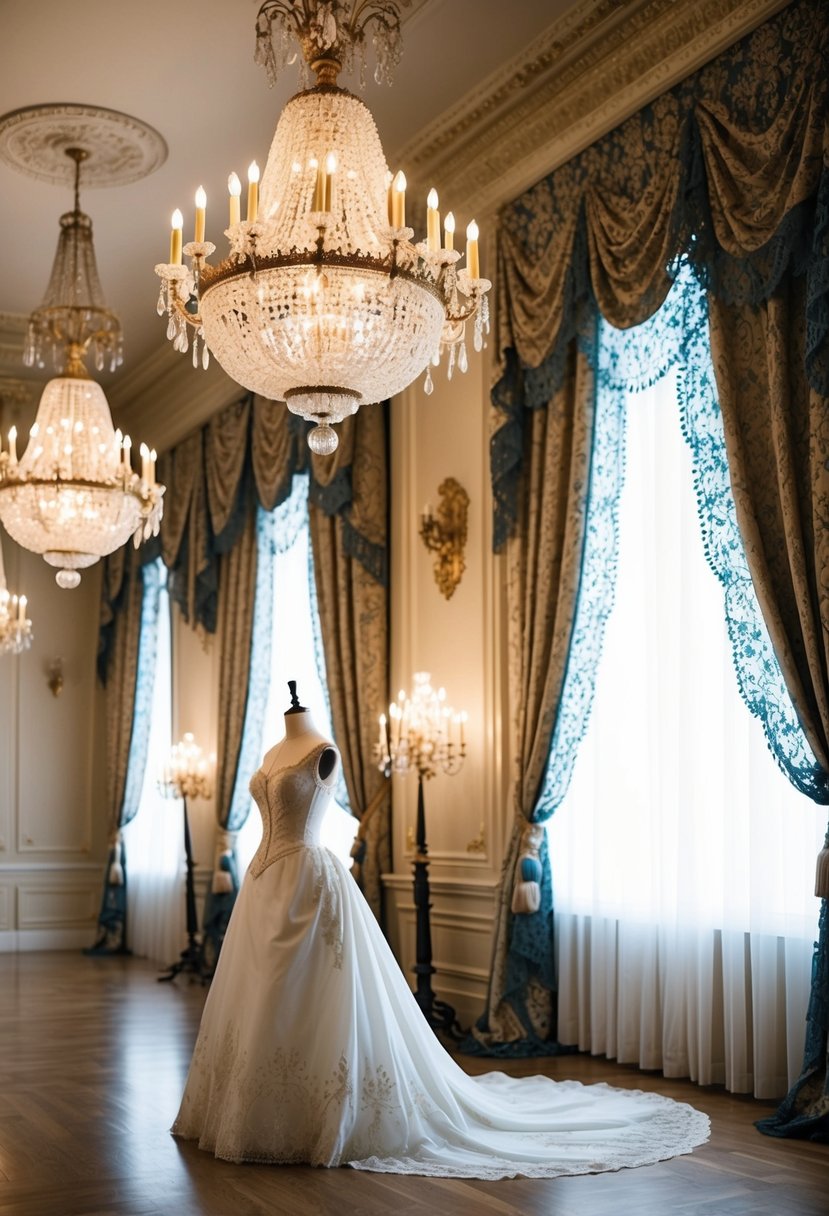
[[93, 1056]]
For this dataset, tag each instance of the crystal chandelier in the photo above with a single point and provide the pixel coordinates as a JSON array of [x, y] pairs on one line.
[[73, 495], [324, 301], [15, 626]]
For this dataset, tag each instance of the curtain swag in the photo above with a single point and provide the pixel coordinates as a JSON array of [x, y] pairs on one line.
[[247, 453], [729, 170]]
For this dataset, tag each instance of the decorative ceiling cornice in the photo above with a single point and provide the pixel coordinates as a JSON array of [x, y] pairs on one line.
[[589, 71], [142, 399]]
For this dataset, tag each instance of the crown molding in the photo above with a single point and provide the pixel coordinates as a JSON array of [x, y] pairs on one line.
[[164, 398], [589, 71]]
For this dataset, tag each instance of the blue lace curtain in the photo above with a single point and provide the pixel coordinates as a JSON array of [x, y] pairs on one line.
[[135, 704]]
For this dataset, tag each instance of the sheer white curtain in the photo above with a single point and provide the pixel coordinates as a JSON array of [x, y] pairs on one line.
[[293, 657], [683, 860], [154, 840]]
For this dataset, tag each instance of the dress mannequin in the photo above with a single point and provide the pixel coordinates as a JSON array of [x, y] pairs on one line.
[[301, 737]]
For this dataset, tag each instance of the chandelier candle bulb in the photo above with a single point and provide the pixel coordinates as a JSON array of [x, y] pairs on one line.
[[432, 221], [125, 448], [330, 170], [449, 231], [153, 459], [12, 446], [176, 225], [234, 187], [472, 265], [253, 192], [145, 463], [398, 200], [201, 207], [21, 609]]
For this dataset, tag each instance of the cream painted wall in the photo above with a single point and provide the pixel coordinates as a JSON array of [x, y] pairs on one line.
[[457, 641], [196, 709], [53, 835]]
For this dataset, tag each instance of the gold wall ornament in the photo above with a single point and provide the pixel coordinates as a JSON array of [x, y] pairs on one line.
[[444, 534], [54, 677], [478, 843]]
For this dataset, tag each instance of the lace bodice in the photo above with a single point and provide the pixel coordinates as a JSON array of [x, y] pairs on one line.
[[292, 799]]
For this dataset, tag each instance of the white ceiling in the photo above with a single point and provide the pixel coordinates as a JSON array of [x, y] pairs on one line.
[[188, 71]]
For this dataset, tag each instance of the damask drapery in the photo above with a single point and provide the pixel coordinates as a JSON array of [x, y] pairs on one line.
[[245, 457], [130, 607], [727, 170]]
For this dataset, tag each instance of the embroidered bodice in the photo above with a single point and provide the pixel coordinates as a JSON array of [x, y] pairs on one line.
[[292, 799]]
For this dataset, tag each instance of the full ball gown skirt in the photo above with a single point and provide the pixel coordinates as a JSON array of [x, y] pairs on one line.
[[312, 1048]]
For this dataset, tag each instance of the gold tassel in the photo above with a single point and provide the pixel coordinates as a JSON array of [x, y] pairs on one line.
[[822, 871]]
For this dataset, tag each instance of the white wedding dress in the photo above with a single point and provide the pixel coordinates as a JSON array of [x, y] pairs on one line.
[[312, 1048]]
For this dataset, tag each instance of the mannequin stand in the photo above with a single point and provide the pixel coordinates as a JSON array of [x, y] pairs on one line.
[[191, 960], [440, 1015]]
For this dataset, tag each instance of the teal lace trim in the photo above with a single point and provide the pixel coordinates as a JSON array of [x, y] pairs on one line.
[[154, 578]]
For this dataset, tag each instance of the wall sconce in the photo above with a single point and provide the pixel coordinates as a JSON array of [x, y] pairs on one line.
[[54, 677], [444, 534]]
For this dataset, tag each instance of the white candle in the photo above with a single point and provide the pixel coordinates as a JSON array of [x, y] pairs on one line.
[[234, 187], [126, 446], [201, 206], [473, 270], [449, 231], [153, 459], [253, 191], [398, 201], [432, 221], [176, 225], [145, 463], [12, 446], [330, 170]]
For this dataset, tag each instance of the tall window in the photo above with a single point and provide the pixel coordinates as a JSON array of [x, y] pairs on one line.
[[154, 840], [295, 654], [683, 858]]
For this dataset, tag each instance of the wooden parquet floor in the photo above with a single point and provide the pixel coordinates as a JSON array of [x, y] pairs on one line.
[[93, 1056]]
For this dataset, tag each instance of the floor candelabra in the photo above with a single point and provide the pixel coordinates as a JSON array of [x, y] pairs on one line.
[[187, 775], [423, 734]]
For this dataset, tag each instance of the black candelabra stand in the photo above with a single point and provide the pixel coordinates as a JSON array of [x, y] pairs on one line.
[[190, 961], [439, 1014], [187, 775]]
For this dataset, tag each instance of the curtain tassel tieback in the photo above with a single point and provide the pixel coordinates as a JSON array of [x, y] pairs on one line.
[[526, 890], [822, 871], [115, 877], [222, 881]]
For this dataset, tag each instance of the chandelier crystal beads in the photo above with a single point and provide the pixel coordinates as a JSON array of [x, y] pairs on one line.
[[15, 626], [324, 301]]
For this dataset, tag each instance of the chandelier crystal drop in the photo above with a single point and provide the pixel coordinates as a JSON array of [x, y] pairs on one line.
[[15, 626], [324, 301], [73, 496]]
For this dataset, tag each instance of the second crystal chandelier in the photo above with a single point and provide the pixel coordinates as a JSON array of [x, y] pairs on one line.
[[324, 301]]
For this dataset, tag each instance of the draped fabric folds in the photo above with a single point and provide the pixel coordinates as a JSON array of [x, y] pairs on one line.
[[728, 171], [130, 606], [217, 478], [544, 564], [237, 595]]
